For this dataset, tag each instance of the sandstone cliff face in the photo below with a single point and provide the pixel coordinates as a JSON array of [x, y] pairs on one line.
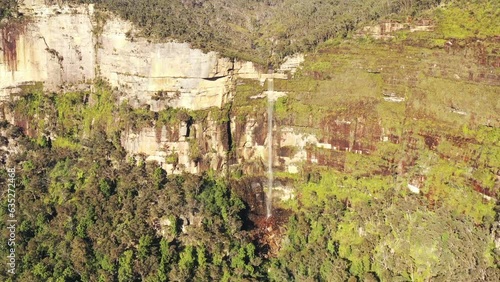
[[182, 148], [52, 49], [69, 47], [65, 46], [161, 74], [242, 145], [386, 29]]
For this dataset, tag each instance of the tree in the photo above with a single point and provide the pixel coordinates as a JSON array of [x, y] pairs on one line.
[[125, 272]]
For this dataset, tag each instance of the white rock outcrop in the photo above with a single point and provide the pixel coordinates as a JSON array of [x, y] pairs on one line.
[[53, 49], [64, 46], [69, 47], [161, 74]]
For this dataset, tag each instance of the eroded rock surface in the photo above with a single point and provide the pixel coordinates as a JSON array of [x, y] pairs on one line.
[[64, 46]]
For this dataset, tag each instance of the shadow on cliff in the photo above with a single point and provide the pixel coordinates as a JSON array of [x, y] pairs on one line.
[[265, 232]]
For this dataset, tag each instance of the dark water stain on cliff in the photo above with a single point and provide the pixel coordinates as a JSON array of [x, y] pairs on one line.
[[338, 131], [260, 131], [345, 134], [24, 124], [225, 134], [265, 232], [10, 35], [333, 159], [251, 190]]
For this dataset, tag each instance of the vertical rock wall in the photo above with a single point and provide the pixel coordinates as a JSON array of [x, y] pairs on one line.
[[65, 46], [56, 48]]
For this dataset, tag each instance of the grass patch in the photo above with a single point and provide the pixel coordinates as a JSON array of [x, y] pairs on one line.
[[466, 19], [66, 143]]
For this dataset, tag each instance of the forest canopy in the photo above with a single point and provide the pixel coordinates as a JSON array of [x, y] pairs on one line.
[[90, 212], [263, 31]]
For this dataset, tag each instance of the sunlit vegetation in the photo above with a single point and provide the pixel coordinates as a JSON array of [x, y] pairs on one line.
[[469, 19], [88, 211], [7, 8], [381, 240], [357, 224]]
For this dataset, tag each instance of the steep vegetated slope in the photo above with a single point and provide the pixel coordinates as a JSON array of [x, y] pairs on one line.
[[418, 110], [402, 183], [7, 7]]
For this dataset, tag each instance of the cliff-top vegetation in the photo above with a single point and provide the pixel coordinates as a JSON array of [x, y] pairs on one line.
[[266, 31], [263, 31]]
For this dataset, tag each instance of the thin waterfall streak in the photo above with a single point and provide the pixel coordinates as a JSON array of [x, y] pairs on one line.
[[270, 109]]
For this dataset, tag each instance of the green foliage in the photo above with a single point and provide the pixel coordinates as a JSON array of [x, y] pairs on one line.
[[244, 105], [94, 219], [368, 73], [172, 158], [66, 143], [69, 111], [72, 114], [34, 99], [135, 119], [144, 248], [94, 216], [125, 272], [195, 153], [379, 234], [105, 188], [462, 19], [187, 258], [159, 177], [101, 112], [7, 8]]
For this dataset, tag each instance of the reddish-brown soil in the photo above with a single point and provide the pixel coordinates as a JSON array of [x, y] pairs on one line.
[[268, 232]]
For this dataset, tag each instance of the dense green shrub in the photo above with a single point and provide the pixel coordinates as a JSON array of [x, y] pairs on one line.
[[7, 8]]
